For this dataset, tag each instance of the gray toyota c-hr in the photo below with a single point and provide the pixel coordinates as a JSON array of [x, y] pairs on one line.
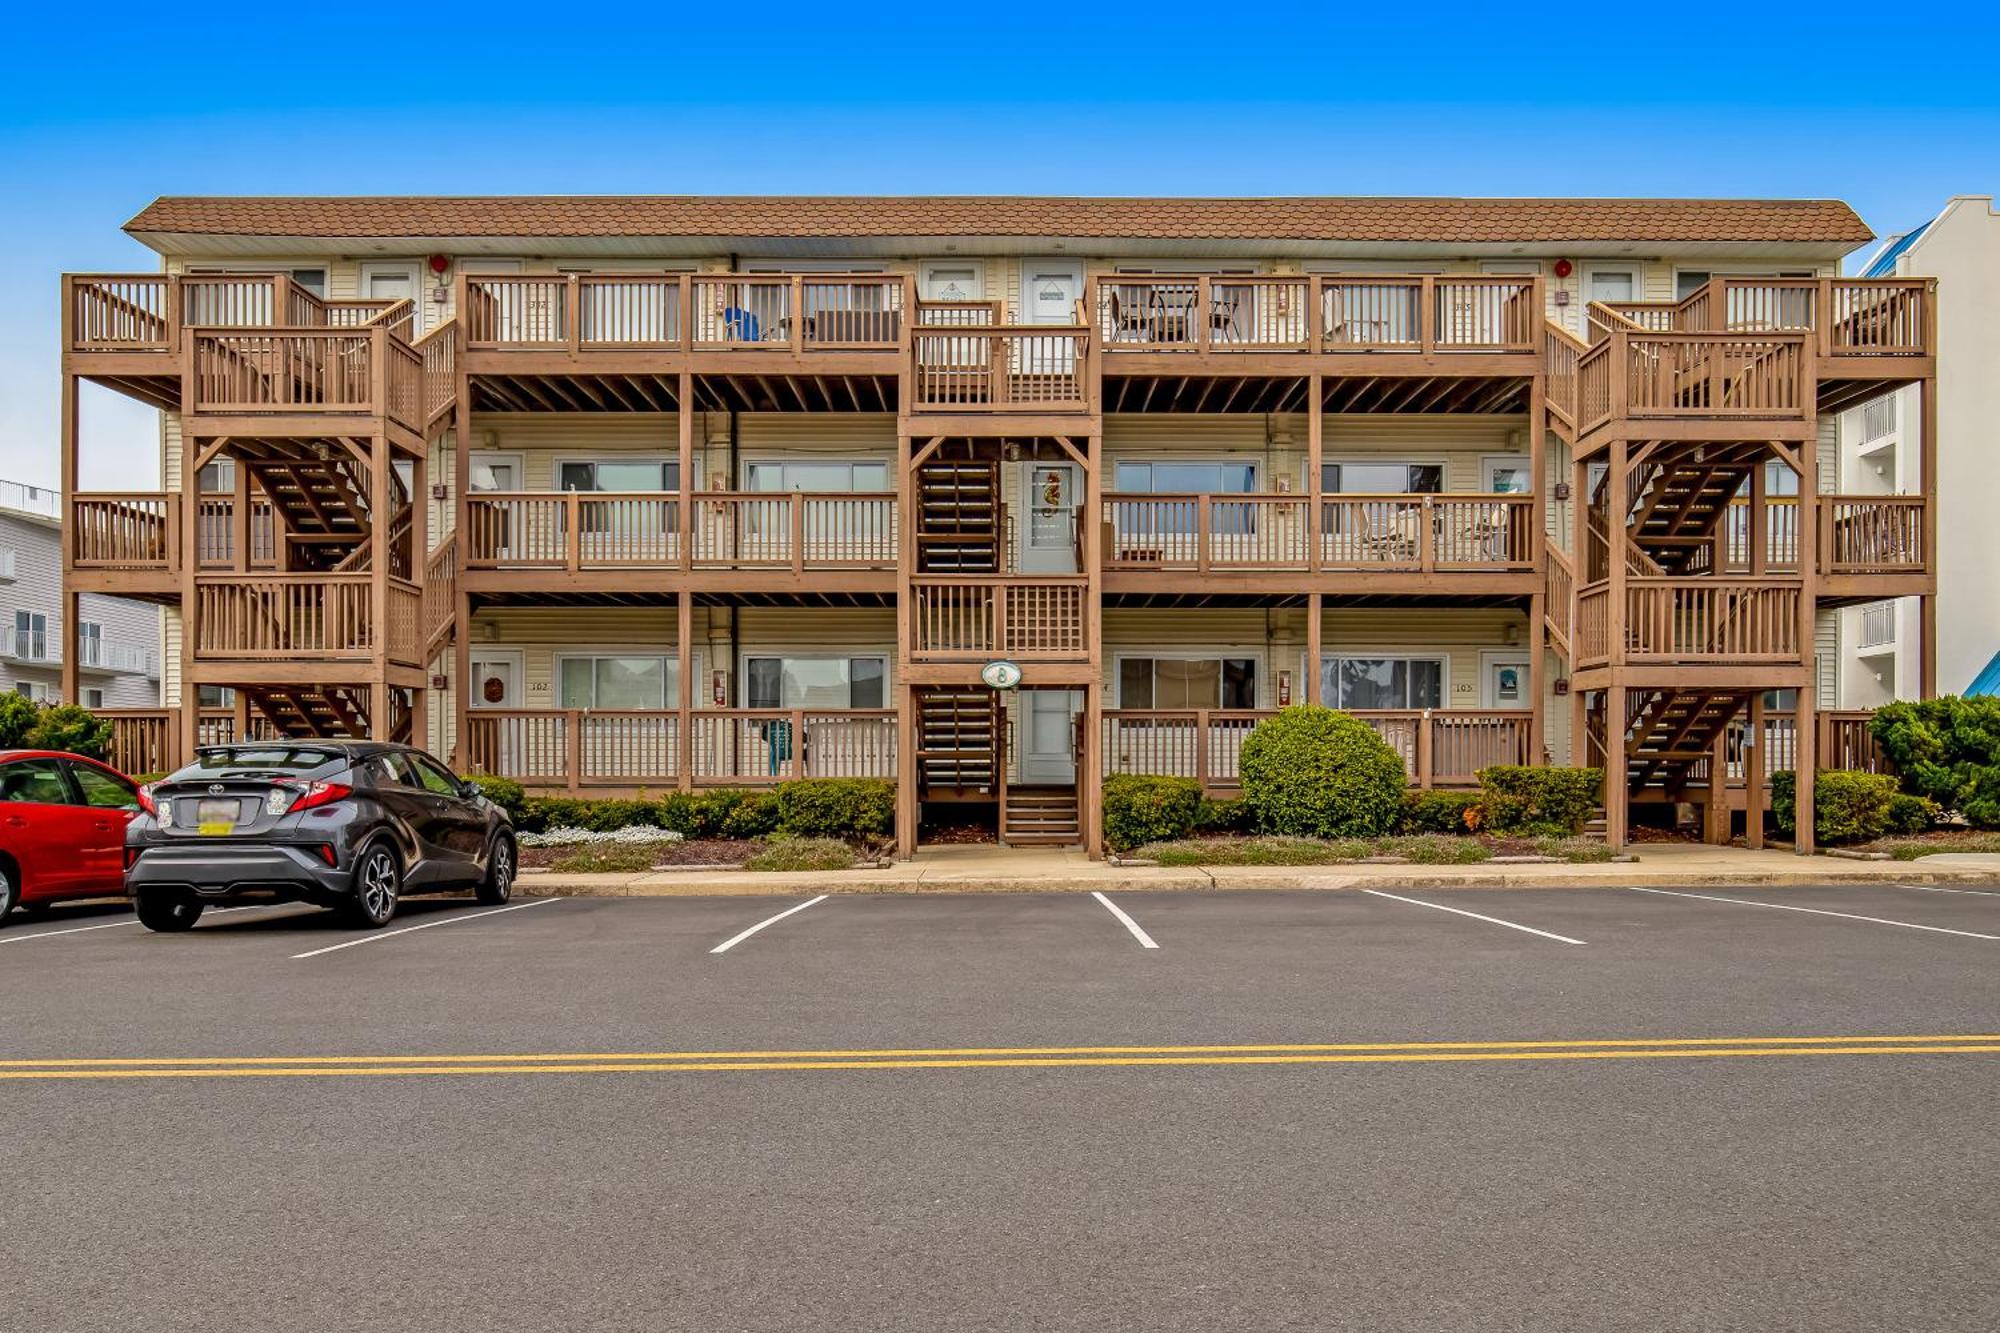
[[350, 825]]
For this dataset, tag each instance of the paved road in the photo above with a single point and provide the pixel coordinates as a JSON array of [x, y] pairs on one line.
[[1535, 1187]]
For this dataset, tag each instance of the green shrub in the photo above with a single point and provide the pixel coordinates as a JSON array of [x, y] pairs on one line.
[[18, 715], [72, 728], [540, 813], [1912, 814], [505, 793], [1847, 806], [608, 859], [1438, 812], [1947, 750], [1214, 817], [1317, 773], [1518, 801], [802, 854], [752, 814], [861, 809], [719, 812], [1141, 808]]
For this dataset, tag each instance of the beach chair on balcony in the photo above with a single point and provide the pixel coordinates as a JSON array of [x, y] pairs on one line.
[[740, 325], [1128, 323], [1480, 534], [1396, 537]]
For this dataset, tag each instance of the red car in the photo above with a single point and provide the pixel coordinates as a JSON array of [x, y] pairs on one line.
[[62, 828]]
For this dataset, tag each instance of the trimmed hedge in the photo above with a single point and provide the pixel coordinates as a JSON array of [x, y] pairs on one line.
[[1946, 750], [1142, 808], [1913, 814], [1847, 806], [1520, 801], [506, 793], [1440, 812], [1224, 816], [1315, 772], [837, 808]]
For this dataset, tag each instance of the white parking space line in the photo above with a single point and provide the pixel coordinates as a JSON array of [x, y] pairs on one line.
[[9, 937], [423, 925], [1145, 940], [1493, 920], [1816, 911], [1938, 888], [738, 938]]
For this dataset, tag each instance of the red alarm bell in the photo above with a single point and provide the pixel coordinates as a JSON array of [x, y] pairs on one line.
[[1564, 268]]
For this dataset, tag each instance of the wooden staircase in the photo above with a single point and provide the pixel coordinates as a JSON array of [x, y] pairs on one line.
[[1681, 506], [321, 505], [1672, 731], [300, 711], [957, 743], [960, 524], [1041, 817]]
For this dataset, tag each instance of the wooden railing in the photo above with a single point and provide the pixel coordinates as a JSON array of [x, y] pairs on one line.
[[796, 530], [1561, 350], [215, 532], [583, 748], [1559, 584], [152, 311], [1844, 316], [971, 619], [306, 371], [959, 314], [1709, 619], [273, 617], [794, 312], [995, 368], [1439, 747], [128, 530], [121, 312], [1428, 533], [1871, 534], [578, 530], [1713, 375], [1316, 312], [148, 740], [438, 353], [1843, 738], [440, 594]]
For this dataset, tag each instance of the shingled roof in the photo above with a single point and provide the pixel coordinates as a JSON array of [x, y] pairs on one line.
[[1471, 221]]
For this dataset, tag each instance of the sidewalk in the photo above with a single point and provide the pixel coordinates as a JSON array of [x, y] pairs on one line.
[[986, 868]]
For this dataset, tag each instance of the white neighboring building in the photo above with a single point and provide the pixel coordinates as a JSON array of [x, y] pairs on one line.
[[1881, 453], [120, 639]]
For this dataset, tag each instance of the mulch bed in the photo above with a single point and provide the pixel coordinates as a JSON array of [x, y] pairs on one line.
[[957, 834], [692, 852]]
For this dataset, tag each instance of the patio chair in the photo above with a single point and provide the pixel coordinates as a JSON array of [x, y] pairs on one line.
[[1127, 322]]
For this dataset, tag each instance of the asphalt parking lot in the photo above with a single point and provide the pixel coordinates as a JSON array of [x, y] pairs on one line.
[[1589, 1109]]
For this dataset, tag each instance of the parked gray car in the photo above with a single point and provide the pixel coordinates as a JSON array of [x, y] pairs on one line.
[[350, 825]]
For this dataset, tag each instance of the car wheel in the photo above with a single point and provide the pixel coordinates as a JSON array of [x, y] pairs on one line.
[[10, 897], [498, 886], [168, 912], [378, 884]]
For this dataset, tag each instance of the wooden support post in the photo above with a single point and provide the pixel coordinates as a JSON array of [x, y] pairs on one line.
[[1807, 740], [905, 697], [190, 608], [1090, 770], [1315, 464], [1753, 774], [1538, 650], [1315, 647], [1617, 793], [1927, 620], [684, 700], [684, 404], [380, 528], [1715, 814], [72, 604]]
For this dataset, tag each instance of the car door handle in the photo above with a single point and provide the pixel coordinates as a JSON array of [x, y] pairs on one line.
[[105, 826], [15, 821]]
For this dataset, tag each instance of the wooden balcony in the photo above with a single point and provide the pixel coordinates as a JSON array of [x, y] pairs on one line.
[[1868, 545], [130, 542], [1203, 315], [780, 313], [821, 538], [128, 331], [975, 619], [1006, 369], [1397, 536], [310, 382], [1692, 621], [305, 619], [589, 749], [1439, 747]]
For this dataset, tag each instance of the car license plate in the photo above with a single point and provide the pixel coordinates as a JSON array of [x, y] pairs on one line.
[[213, 818]]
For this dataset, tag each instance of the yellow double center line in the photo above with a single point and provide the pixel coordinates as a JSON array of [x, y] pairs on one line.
[[991, 1057]]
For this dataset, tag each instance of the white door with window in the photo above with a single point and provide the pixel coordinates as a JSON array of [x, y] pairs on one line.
[[495, 531], [1048, 737], [1048, 533], [1050, 290], [394, 282], [496, 683], [1506, 474]]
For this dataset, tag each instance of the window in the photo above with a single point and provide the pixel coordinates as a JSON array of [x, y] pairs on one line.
[[619, 475], [816, 682], [93, 698], [31, 636], [35, 690], [1612, 285], [816, 476], [89, 643], [9, 559], [1187, 682], [1212, 478], [617, 681], [1382, 682], [33, 782], [102, 790], [1382, 478], [215, 696], [218, 477]]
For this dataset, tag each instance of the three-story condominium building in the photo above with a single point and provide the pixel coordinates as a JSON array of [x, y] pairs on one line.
[[622, 494]]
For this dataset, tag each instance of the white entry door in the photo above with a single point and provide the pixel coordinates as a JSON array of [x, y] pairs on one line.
[[496, 683], [1050, 290], [1048, 736], [1506, 474], [395, 282], [1048, 504]]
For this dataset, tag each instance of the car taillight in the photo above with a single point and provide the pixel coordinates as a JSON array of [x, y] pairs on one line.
[[326, 853], [132, 856], [146, 801], [321, 793]]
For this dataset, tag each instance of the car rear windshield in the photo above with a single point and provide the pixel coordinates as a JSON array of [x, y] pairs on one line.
[[260, 761]]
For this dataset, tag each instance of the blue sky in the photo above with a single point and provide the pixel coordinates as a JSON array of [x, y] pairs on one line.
[[106, 106]]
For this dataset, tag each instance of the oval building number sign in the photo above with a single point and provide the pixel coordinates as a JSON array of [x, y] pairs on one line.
[[1001, 675]]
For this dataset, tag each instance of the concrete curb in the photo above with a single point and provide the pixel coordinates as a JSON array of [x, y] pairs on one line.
[[1158, 879]]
